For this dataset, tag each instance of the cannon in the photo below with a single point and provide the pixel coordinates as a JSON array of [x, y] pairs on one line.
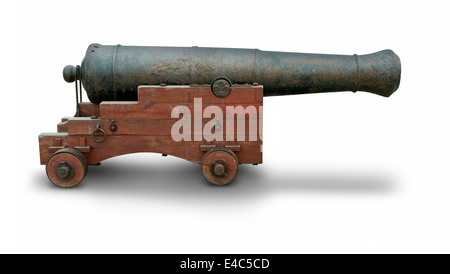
[[200, 104]]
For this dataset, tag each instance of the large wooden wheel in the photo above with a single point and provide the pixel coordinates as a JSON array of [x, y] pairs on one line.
[[219, 166], [66, 167]]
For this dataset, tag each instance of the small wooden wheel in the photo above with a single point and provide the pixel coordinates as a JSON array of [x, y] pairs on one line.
[[219, 166], [66, 167]]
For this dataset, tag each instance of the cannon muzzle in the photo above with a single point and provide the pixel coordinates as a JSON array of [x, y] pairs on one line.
[[113, 73]]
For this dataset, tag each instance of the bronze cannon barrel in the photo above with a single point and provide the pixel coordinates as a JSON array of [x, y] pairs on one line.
[[113, 73]]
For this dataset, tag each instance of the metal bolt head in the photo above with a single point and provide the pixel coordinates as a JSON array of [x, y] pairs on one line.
[[63, 172], [219, 170], [113, 127]]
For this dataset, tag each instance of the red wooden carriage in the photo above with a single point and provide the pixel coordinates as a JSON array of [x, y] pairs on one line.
[[113, 128]]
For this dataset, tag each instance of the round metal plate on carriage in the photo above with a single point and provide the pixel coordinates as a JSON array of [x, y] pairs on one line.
[[221, 87]]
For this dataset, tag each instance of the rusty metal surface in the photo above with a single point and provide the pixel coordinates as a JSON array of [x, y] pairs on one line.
[[113, 73]]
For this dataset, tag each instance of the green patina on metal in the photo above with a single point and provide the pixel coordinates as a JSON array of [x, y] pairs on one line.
[[113, 73]]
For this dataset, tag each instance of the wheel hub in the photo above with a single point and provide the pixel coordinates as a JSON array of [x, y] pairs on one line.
[[64, 170], [219, 170]]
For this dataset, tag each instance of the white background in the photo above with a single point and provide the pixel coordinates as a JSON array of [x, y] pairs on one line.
[[342, 172]]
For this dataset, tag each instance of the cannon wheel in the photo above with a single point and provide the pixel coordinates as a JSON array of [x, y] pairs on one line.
[[219, 166], [66, 167]]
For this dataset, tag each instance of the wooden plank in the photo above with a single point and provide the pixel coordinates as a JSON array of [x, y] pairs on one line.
[[54, 149], [118, 145], [88, 109], [158, 101], [155, 127], [186, 94], [206, 147], [234, 147], [164, 110], [83, 148]]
